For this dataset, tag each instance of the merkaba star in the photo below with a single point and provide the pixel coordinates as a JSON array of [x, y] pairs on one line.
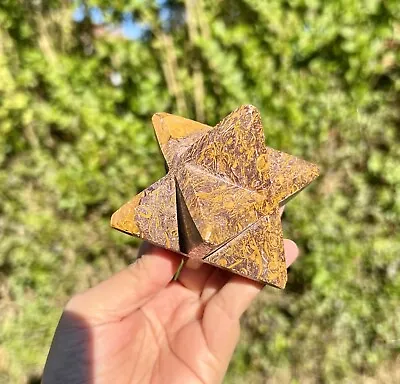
[[220, 199]]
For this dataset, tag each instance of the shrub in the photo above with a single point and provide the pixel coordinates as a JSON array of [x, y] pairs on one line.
[[76, 142]]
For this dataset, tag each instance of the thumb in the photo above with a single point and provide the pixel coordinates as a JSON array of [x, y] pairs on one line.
[[128, 290]]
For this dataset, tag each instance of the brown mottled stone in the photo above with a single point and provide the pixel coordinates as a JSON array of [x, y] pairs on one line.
[[220, 200], [256, 253]]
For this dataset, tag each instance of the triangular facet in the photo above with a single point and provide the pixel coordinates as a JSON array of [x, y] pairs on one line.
[[256, 253], [219, 209], [175, 134], [124, 218], [230, 148], [151, 215], [235, 149], [283, 175]]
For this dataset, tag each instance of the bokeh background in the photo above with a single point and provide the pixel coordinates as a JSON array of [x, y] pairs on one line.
[[79, 82]]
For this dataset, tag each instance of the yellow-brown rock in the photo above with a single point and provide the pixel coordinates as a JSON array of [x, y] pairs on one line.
[[220, 200]]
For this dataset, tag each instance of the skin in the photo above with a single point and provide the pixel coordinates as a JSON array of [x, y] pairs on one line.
[[140, 327]]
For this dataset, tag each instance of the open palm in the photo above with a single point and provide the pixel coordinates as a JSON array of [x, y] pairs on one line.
[[141, 327]]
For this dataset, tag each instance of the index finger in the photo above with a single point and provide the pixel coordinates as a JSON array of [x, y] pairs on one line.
[[127, 290]]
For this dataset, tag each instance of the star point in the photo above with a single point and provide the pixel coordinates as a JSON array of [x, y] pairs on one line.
[[220, 199]]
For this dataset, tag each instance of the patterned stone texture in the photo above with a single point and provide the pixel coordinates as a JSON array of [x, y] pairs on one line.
[[176, 134], [219, 208], [221, 197], [256, 253], [235, 150], [151, 215]]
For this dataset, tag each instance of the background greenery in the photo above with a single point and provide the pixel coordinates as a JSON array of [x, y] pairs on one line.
[[76, 142]]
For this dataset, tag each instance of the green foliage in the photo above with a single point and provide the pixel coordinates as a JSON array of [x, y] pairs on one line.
[[76, 142]]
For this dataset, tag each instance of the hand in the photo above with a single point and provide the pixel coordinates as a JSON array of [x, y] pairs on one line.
[[141, 327]]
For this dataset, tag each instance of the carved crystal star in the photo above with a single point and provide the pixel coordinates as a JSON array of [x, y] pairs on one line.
[[220, 199]]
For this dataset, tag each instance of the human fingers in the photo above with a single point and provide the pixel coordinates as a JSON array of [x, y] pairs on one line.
[[215, 282], [127, 290], [194, 273], [194, 276], [291, 251], [238, 293]]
